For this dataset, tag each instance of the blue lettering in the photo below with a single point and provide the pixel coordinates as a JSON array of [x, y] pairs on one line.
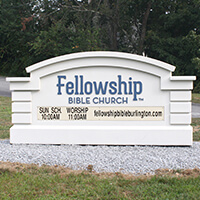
[[113, 89], [137, 89], [130, 86], [100, 87], [70, 100], [69, 86], [117, 100], [125, 100], [120, 83], [112, 100], [81, 77], [95, 100], [101, 100], [121, 87], [76, 84], [88, 90], [59, 85]]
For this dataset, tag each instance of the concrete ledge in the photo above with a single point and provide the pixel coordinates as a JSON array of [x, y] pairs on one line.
[[183, 78], [102, 135], [18, 79]]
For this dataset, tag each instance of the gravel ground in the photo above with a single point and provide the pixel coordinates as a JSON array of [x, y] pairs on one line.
[[126, 159]]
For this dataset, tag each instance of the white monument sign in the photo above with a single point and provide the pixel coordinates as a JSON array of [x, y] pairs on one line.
[[101, 98]]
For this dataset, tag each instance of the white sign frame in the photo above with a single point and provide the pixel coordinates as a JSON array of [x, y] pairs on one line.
[[176, 131]]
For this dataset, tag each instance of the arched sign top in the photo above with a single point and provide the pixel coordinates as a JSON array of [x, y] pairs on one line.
[[103, 55]]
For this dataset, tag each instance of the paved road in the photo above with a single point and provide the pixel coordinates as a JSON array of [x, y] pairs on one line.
[[4, 91], [4, 87], [195, 110]]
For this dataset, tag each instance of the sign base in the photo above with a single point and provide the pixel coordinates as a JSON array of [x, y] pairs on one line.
[[102, 135]]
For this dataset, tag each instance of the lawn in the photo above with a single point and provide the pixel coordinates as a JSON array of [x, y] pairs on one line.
[[5, 117], [20, 181], [196, 98], [196, 129]]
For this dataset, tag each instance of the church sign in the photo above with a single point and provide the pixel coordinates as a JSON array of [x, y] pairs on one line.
[[101, 98]]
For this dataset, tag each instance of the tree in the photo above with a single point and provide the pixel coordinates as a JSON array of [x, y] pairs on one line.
[[15, 34], [173, 35], [67, 27], [35, 30]]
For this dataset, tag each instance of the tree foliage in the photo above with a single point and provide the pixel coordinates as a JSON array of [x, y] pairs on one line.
[[35, 30], [173, 35], [14, 42]]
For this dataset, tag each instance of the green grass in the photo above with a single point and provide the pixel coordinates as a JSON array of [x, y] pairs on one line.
[[196, 129], [5, 117], [20, 181], [196, 98]]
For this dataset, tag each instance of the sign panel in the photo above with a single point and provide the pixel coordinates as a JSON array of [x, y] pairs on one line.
[[101, 113], [101, 90]]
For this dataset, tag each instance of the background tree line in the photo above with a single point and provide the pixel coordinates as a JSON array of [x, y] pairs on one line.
[[35, 30]]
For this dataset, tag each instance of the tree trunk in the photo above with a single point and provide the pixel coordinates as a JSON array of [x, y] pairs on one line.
[[114, 36], [144, 26], [114, 26]]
